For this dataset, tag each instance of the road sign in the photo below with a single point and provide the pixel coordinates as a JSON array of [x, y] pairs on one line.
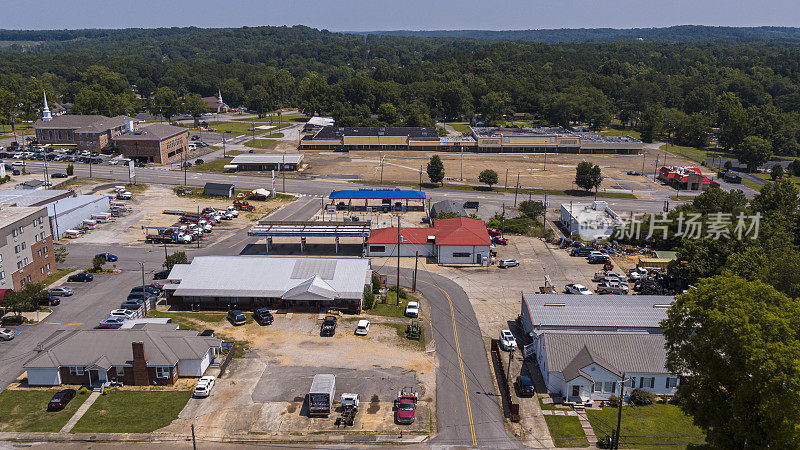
[[131, 171]]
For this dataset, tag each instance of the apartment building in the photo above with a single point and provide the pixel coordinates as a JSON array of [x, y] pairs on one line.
[[26, 246]]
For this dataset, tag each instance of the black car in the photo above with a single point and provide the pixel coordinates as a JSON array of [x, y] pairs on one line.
[[199, 161], [187, 164], [525, 386], [237, 317], [58, 175], [599, 259], [141, 295], [50, 301], [149, 289], [582, 251], [263, 316], [83, 276], [60, 399], [328, 326], [161, 275], [133, 304]]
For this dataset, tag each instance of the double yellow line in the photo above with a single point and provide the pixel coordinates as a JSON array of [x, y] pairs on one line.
[[460, 361], [287, 216]]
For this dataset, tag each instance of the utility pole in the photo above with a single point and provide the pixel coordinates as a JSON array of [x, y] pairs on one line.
[[510, 358], [420, 177], [223, 144], [144, 292], [644, 156], [165, 251], [461, 178], [381, 169], [397, 292], [283, 170], [414, 279], [194, 441], [615, 444], [516, 188], [506, 179], [503, 221], [571, 218]]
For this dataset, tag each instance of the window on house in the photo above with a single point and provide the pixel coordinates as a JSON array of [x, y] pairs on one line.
[[14, 232], [16, 249], [45, 249], [36, 239], [611, 386], [120, 371], [162, 372], [19, 264], [24, 245], [630, 382], [648, 382], [598, 386], [41, 270], [25, 261], [672, 382], [2, 275], [19, 230], [377, 248], [47, 266], [76, 370], [461, 255]]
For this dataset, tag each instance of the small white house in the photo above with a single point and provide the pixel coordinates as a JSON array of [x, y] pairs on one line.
[[587, 366], [592, 221]]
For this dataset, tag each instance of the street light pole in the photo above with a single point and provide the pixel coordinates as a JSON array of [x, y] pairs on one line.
[[144, 296]]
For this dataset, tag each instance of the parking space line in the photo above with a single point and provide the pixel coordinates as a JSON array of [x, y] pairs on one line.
[[52, 323]]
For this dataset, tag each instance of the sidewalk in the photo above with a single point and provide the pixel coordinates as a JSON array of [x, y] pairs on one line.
[[80, 412]]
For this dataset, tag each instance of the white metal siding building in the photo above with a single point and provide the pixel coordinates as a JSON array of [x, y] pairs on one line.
[[69, 213]]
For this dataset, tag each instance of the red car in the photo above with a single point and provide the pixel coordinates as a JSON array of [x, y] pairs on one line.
[[493, 232], [500, 240], [405, 406]]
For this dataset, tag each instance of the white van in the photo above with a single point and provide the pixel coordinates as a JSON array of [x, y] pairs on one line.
[[89, 224], [72, 234], [101, 217]]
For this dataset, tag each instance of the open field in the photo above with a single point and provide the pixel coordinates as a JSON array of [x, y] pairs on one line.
[[653, 426], [25, 410], [132, 411], [263, 143]]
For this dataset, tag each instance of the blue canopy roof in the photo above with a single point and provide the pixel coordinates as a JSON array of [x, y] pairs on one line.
[[394, 194]]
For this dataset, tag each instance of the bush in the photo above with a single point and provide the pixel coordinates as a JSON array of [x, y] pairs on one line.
[[83, 390], [376, 283], [402, 293], [613, 401], [70, 170], [640, 397], [106, 391], [369, 297]]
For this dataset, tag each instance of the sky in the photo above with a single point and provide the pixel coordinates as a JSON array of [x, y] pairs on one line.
[[365, 15]]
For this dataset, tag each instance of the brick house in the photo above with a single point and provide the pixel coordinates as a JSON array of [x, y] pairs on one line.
[[86, 132], [25, 246], [157, 143], [152, 354]]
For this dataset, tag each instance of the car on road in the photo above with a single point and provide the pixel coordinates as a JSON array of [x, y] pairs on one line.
[[412, 309], [62, 291], [132, 304], [195, 137], [111, 323], [187, 164], [157, 286], [499, 240], [507, 262], [50, 300], [525, 386], [263, 316], [124, 313], [162, 275], [203, 387], [362, 328], [634, 173], [599, 259], [6, 334], [507, 340], [81, 277], [58, 175], [575, 288], [199, 161], [237, 317], [17, 163], [60, 399], [107, 256], [328, 326]]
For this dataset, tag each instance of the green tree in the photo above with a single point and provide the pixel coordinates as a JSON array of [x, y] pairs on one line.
[[17, 302], [776, 268], [739, 341], [387, 113], [494, 106], [776, 171], [175, 258], [488, 176], [531, 209], [194, 105], [588, 176], [754, 151], [732, 120], [794, 167], [97, 263], [435, 169], [8, 103], [70, 169], [777, 198], [60, 254], [258, 100], [166, 103]]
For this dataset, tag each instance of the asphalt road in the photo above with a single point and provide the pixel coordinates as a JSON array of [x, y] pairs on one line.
[[323, 187]]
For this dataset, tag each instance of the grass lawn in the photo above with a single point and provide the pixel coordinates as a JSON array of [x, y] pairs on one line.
[[191, 320], [401, 333], [495, 188], [262, 143], [53, 277], [765, 176], [621, 132], [546, 406], [751, 184], [696, 154], [216, 166], [137, 188], [566, 431], [26, 411], [389, 309], [682, 198], [654, 426], [132, 412]]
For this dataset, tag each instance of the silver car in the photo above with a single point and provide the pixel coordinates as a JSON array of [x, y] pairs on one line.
[[6, 334], [61, 291]]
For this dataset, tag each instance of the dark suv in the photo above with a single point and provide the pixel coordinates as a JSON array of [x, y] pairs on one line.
[[583, 252], [83, 276], [263, 316], [237, 317], [328, 326]]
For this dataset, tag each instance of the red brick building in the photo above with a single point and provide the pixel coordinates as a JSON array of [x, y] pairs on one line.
[[86, 132], [26, 246], [157, 143]]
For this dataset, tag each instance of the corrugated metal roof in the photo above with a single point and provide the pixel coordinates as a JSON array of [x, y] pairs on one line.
[[267, 159], [271, 277], [394, 194], [625, 352], [612, 311], [29, 197]]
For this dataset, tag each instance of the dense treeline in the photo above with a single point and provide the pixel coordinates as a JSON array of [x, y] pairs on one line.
[[751, 92]]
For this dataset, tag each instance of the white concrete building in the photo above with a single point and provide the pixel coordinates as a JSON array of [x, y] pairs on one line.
[[69, 213], [592, 221]]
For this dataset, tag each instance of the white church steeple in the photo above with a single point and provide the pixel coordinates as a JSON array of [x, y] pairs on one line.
[[46, 111]]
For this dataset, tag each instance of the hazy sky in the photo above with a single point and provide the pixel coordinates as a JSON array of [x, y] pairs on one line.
[[396, 14]]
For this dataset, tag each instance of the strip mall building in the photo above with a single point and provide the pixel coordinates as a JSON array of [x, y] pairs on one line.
[[482, 139]]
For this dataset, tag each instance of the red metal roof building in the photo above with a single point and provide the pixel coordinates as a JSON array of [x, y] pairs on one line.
[[687, 178], [459, 240]]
